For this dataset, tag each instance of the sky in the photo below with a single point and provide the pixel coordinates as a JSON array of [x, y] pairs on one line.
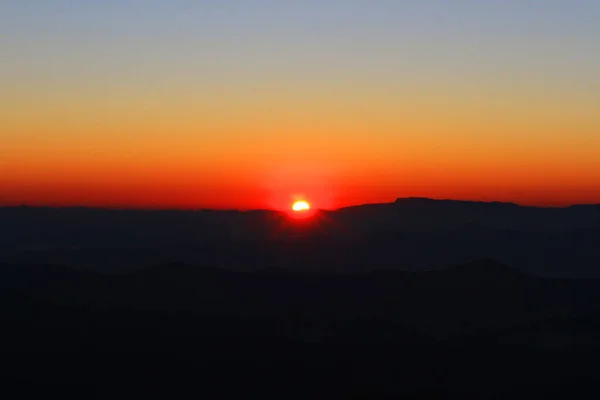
[[254, 103]]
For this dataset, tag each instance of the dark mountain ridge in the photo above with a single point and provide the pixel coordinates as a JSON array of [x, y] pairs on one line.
[[414, 298], [396, 236]]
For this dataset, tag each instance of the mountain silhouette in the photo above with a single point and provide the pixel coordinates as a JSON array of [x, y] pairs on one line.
[[398, 235], [417, 298]]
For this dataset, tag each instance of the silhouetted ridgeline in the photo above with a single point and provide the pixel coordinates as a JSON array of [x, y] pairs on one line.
[[415, 299], [400, 235]]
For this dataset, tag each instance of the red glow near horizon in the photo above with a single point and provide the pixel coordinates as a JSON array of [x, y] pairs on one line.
[[277, 190]]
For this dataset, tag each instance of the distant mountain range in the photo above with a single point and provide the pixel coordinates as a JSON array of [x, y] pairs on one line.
[[409, 234], [414, 299]]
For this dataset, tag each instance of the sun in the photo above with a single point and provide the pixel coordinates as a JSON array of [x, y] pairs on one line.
[[301, 205]]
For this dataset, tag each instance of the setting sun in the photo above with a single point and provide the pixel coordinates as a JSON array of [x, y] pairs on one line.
[[301, 206]]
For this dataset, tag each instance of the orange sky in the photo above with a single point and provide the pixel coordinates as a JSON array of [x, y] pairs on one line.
[[97, 109], [97, 151]]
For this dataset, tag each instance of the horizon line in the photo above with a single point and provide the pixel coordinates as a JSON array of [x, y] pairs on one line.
[[225, 209]]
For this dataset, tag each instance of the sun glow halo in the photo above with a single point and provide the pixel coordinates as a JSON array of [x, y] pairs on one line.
[[301, 205]]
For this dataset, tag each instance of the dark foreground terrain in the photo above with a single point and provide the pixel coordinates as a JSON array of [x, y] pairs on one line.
[[94, 304], [478, 330]]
